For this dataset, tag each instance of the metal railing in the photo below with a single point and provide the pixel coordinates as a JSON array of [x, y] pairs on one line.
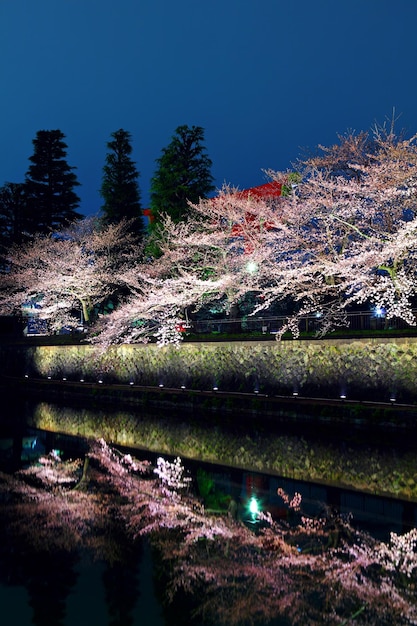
[[357, 321]]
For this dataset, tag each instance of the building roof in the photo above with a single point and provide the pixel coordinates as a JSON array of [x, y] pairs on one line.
[[269, 190]]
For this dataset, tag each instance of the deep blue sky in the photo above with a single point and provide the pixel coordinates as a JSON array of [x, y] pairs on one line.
[[265, 78]]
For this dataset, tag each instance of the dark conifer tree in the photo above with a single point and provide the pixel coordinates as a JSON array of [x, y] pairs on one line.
[[14, 223], [120, 188], [183, 174], [50, 182]]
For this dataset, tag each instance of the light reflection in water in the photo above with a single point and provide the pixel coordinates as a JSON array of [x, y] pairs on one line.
[[87, 596]]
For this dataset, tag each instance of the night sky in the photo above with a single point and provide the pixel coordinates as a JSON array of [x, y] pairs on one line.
[[268, 80]]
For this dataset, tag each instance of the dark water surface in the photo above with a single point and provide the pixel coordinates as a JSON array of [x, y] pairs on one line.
[[64, 591], [87, 602], [55, 589]]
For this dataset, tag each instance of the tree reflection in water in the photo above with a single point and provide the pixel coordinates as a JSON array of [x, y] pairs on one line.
[[295, 571]]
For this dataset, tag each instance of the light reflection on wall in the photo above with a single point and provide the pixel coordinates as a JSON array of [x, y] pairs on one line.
[[380, 369]]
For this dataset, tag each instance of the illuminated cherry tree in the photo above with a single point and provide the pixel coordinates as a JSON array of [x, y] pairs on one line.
[[359, 231], [63, 276], [343, 234], [336, 240], [216, 255]]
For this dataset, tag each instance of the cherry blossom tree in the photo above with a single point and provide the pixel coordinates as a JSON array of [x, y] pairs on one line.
[[344, 234], [360, 231], [340, 238], [215, 255], [68, 273]]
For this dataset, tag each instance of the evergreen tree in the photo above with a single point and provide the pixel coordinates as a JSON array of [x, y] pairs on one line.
[[50, 183], [14, 224], [183, 174], [120, 189]]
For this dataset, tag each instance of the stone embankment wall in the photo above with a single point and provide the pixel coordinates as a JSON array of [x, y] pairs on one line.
[[369, 369]]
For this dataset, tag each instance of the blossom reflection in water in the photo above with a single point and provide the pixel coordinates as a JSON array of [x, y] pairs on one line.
[[209, 564]]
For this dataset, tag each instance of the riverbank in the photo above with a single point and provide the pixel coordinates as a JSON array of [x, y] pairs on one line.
[[341, 412], [360, 370]]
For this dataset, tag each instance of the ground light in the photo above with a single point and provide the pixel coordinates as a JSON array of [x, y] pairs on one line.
[[253, 506], [254, 510]]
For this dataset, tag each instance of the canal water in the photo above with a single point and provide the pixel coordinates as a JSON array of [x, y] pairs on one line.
[[80, 592]]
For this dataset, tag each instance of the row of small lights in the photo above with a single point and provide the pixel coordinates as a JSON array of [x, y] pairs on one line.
[[343, 396], [295, 394]]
